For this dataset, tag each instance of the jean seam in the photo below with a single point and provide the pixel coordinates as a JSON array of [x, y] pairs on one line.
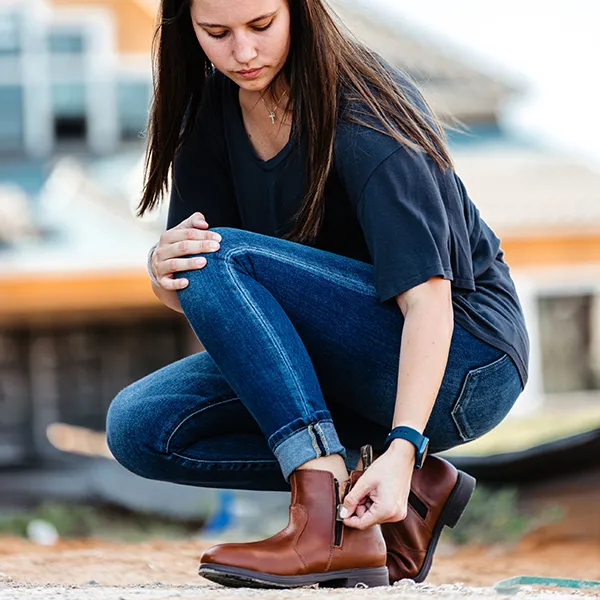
[[197, 412], [313, 440], [225, 461], [344, 281], [266, 324], [322, 437], [310, 427]]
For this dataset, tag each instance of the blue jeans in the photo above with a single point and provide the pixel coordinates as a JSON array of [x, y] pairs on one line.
[[301, 361]]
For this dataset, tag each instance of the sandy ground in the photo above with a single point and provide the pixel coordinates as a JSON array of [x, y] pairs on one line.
[[153, 570], [99, 570]]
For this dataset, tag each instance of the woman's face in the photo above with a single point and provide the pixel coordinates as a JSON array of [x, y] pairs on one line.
[[247, 40]]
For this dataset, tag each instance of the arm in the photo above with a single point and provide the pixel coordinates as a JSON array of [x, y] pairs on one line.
[[402, 204], [381, 495], [200, 182], [426, 336]]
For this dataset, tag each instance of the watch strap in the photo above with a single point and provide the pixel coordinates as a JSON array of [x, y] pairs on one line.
[[418, 440]]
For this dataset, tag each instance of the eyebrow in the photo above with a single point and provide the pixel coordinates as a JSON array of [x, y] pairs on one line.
[[248, 23]]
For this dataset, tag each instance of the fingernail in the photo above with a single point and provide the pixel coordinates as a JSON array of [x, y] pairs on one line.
[[200, 261], [344, 512], [214, 245]]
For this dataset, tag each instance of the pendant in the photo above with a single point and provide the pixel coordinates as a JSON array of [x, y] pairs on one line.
[[272, 117]]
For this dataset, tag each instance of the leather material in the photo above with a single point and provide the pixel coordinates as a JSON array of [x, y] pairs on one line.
[[408, 541], [307, 544]]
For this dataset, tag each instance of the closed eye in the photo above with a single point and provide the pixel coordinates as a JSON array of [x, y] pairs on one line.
[[263, 28], [220, 36]]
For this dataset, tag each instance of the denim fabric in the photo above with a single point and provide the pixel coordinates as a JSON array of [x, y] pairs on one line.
[[301, 361]]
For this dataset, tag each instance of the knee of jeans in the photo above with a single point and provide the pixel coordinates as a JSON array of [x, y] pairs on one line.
[[129, 436], [234, 243], [233, 236]]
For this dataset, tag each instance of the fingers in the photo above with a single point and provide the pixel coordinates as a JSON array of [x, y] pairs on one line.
[[196, 242], [173, 254], [166, 271], [355, 496], [367, 519], [172, 284], [373, 513], [189, 234], [178, 249], [195, 220]]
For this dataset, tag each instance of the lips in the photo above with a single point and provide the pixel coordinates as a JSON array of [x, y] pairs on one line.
[[250, 71]]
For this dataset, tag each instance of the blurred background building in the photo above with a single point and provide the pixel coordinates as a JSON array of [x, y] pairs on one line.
[[78, 320]]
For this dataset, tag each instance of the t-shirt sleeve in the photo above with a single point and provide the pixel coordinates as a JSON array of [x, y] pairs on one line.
[[405, 223], [200, 175]]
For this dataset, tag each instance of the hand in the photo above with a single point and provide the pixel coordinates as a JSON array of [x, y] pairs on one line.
[[182, 240], [381, 494]]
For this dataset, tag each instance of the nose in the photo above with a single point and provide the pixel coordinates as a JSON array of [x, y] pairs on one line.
[[244, 50]]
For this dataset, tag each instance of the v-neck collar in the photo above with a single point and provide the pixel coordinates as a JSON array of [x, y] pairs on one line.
[[272, 162]]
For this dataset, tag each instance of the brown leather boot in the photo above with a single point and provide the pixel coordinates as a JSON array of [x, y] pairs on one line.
[[439, 494], [315, 547]]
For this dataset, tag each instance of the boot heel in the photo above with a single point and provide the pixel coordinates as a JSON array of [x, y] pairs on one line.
[[459, 499], [361, 578]]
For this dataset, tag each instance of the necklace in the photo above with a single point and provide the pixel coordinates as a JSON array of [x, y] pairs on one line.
[[272, 114]]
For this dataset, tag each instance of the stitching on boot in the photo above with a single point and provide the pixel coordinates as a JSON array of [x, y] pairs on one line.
[[300, 532]]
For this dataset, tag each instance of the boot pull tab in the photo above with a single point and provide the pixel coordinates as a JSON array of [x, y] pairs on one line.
[[366, 455]]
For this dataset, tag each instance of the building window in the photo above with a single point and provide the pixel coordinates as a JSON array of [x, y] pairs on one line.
[[11, 118], [134, 99], [567, 341], [9, 34], [63, 42], [68, 102]]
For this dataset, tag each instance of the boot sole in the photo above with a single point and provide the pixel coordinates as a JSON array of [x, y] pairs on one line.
[[237, 577], [451, 513]]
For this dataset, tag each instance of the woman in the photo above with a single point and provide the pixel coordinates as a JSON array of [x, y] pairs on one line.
[[342, 283]]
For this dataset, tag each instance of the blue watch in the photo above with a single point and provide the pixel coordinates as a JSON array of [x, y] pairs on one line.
[[419, 441]]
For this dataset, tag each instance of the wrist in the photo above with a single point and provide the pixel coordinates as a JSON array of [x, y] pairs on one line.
[[404, 436], [150, 266], [402, 449]]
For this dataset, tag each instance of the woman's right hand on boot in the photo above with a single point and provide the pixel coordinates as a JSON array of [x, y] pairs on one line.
[[187, 238]]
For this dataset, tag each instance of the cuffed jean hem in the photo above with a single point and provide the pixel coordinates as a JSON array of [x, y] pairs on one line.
[[316, 440]]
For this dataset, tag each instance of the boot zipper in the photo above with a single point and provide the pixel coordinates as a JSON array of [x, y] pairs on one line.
[[339, 522]]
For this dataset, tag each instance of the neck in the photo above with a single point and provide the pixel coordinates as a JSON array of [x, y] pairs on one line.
[[278, 93]]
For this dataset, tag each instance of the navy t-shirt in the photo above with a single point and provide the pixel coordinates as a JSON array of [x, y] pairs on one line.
[[385, 204]]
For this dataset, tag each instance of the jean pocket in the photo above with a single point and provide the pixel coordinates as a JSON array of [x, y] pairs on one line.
[[487, 395]]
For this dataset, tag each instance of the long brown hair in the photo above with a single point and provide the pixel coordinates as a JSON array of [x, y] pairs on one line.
[[325, 66]]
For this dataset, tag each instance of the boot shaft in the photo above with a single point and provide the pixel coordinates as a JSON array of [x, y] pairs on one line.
[[325, 541]]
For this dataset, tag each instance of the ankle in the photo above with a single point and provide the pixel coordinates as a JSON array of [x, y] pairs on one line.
[[333, 463]]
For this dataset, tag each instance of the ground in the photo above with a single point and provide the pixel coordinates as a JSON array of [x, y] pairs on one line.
[[160, 569]]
